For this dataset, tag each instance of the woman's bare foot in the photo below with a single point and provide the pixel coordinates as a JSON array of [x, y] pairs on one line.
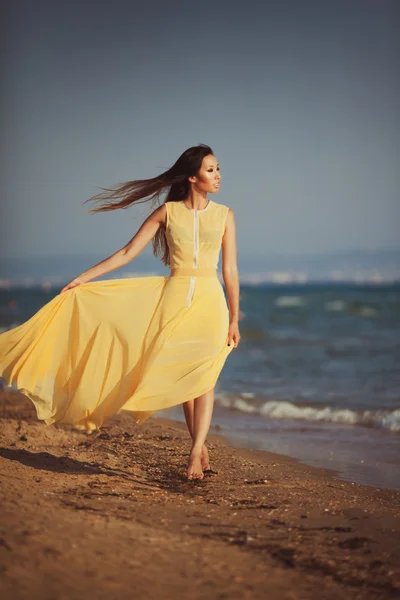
[[195, 470], [205, 459]]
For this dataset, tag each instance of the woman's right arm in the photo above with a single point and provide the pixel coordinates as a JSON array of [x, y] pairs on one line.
[[127, 253]]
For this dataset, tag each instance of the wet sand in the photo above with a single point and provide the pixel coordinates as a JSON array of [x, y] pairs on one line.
[[111, 515]]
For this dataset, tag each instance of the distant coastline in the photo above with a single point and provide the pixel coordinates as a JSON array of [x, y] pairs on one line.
[[381, 266]]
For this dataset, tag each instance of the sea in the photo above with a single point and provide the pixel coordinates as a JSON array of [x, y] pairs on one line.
[[316, 375]]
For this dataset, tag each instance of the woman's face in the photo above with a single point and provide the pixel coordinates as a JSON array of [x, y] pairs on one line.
[[208, 178]]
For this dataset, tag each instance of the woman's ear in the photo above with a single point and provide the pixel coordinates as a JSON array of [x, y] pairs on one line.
[[192, 179]]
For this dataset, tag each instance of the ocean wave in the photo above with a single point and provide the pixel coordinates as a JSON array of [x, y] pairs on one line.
[[386, 419], [335, 306], [288, 301], [353, 308]]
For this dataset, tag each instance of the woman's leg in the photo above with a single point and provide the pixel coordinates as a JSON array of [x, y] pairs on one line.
[[188, 409], [202, 414]]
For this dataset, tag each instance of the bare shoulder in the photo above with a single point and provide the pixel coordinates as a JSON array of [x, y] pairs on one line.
[[224, 208], [230, 215], [159, 214], [230, 225]]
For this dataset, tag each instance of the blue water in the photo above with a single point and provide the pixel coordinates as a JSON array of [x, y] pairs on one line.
[[317, 364], [318, 352]]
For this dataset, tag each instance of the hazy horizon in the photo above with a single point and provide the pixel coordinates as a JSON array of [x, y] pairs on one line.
[[375, 267]]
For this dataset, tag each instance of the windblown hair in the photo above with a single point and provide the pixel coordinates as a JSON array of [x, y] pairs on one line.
[[173, 182]]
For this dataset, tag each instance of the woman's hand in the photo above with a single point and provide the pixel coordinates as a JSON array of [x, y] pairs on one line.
[[72, 284], [233, 333]]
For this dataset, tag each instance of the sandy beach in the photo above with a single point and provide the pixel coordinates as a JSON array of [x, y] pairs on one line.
[[111, 515]]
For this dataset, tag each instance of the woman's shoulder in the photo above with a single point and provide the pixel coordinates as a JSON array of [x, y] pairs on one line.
[[222, 207], [171, 204], [223, 210]]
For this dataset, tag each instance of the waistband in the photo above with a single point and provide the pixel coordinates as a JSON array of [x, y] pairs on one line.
[[193, 272]]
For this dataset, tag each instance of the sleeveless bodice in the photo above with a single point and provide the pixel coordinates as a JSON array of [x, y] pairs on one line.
[[194, 236]]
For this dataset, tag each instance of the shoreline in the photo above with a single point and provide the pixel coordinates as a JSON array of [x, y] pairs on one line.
[[112, 512], [355, 454]]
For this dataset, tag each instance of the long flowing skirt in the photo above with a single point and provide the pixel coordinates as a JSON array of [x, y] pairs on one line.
[[123, 344]]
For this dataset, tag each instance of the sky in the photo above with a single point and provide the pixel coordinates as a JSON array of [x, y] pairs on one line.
[[298, 100]]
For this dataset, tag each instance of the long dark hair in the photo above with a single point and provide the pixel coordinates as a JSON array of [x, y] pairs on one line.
[[174, 182]]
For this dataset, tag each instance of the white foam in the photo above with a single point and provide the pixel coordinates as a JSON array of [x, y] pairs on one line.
[[275, 409], [243, 406], [335, 305], [285, 301], [389, 420], [287, 410]]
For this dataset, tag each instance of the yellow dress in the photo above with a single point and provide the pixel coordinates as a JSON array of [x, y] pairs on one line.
[[136, 344]]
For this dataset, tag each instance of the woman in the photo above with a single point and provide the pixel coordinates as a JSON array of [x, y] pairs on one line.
[[145, 343]]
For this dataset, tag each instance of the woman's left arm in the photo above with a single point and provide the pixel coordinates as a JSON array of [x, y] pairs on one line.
[[230, 275]]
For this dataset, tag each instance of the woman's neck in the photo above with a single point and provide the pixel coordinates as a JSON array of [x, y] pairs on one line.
[[196, 201]]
